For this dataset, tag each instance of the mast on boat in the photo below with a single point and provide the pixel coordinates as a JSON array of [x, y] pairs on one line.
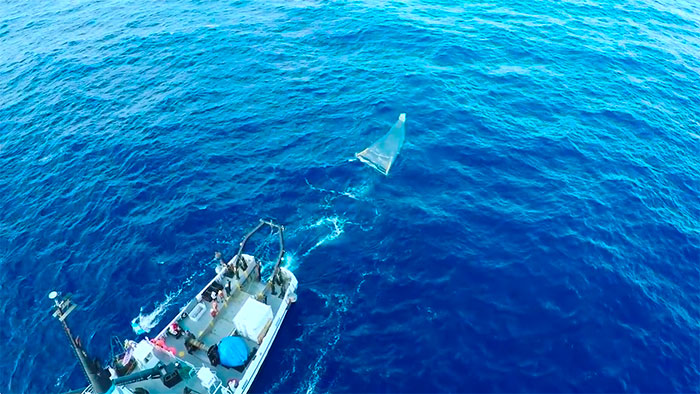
[[98, 378]]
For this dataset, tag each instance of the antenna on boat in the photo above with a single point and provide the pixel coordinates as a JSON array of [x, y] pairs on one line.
[[98, 378]]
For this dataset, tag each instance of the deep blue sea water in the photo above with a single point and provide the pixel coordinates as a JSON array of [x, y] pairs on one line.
[[540, 231]]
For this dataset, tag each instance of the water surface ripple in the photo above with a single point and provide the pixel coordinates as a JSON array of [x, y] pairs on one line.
[[540, 231]]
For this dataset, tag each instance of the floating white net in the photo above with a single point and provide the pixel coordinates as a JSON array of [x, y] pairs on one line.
[[383, 152]]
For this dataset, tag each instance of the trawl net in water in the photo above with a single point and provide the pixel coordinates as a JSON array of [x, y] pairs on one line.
[[383, 152]]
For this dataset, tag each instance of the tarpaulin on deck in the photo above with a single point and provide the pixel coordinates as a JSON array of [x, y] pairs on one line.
[[233, 352], [253, 320]]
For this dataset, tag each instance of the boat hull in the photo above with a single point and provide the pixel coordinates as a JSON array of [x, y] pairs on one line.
[[261, 354]]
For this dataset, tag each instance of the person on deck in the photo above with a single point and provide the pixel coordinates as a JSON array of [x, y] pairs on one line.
[[214, 308]]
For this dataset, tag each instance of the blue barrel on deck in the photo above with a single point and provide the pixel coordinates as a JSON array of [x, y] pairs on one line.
[[233, 352]]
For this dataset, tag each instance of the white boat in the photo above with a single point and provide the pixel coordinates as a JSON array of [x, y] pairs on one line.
[[215, 344]]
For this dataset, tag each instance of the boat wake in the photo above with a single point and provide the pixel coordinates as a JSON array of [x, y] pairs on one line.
[[355, 193], [319, 365], [338, 304], [290, 261], [145, 322], [337, 226], [310, 236]]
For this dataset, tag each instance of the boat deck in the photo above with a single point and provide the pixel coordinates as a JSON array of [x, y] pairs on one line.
[[196, 318]]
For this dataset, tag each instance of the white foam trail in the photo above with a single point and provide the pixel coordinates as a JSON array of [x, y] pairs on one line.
[[149, 320], [356, 193], [319, 366], [286, 375], [146, 322], [338, 229], [61, 379], [290, 261]]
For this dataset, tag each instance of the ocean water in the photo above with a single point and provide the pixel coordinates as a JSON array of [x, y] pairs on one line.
[[539, 232]]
